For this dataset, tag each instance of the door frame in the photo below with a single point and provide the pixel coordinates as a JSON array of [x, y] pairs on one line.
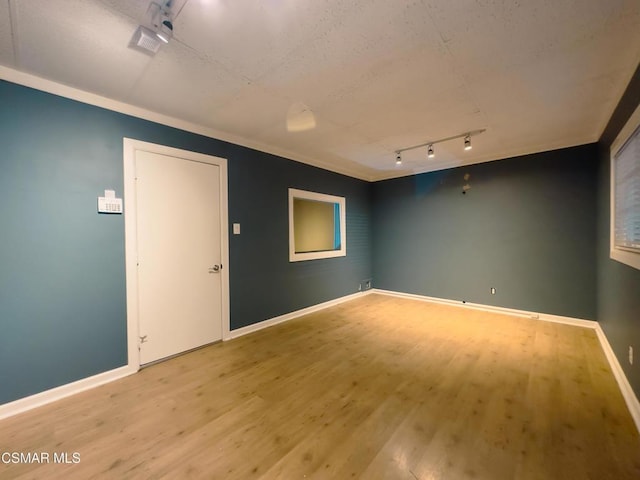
[[130, 146]]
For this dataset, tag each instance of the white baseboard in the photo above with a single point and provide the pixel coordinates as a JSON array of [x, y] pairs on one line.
[[39, 399], [578, 322], [291, 315], [58, 393], [625, 387], [43, 398]]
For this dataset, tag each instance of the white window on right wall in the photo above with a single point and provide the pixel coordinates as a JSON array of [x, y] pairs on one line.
[[625, 194]]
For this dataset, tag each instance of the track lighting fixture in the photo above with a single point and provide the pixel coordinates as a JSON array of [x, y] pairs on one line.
[[430, 144]]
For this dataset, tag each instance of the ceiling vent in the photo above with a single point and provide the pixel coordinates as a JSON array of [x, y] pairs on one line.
[[145, 40], [156, 30]]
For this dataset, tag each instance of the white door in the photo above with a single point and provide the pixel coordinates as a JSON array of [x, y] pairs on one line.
[[179, 255]]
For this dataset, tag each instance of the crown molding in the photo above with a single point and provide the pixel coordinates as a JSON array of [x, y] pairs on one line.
[[49, 86]]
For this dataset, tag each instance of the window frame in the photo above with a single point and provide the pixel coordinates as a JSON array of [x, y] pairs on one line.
[[624, 255]]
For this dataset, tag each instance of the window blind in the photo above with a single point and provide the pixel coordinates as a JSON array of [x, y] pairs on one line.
[[627, 194]]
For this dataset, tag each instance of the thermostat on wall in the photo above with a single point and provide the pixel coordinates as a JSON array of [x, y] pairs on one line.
[[109, 203]]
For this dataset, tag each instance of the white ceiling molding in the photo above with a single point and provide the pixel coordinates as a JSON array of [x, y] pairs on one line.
[[32, 81], [378, 74]]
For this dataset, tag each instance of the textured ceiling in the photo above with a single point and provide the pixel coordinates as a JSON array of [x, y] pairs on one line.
[[380, 75]]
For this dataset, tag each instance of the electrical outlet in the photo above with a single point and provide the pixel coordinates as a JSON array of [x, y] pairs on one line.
[[630, 355], [367, 284], [493, 291]]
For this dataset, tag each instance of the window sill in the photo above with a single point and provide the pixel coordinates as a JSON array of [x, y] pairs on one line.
[[631, 259]]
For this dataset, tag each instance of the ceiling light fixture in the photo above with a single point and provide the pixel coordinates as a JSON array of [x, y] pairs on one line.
[[431, 143], [300, 118]]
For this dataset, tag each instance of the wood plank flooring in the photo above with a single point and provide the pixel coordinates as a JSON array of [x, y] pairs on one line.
[[376, 388]]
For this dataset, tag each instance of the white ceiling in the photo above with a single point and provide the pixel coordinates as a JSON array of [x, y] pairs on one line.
[[380, 75]]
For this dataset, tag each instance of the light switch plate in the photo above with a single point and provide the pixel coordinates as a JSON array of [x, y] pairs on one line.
[[236, 229]]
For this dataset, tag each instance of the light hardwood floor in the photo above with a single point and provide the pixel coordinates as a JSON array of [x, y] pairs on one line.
[[378, 387]]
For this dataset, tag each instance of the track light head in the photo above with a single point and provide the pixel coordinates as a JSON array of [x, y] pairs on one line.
[[398, 158], [467, 142], [430, 153]]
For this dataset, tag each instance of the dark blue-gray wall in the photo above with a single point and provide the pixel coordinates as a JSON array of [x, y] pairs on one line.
[[263, 282], [534, 227], [618, 284], [62, 276], [525, 227]]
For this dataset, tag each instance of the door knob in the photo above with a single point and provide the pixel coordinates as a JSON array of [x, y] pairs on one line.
[[215, 269]]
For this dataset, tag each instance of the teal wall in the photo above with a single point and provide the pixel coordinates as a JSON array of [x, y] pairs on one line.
[[264, 283], [62, 267], [533, 227], [525, 227], [618, 284]]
